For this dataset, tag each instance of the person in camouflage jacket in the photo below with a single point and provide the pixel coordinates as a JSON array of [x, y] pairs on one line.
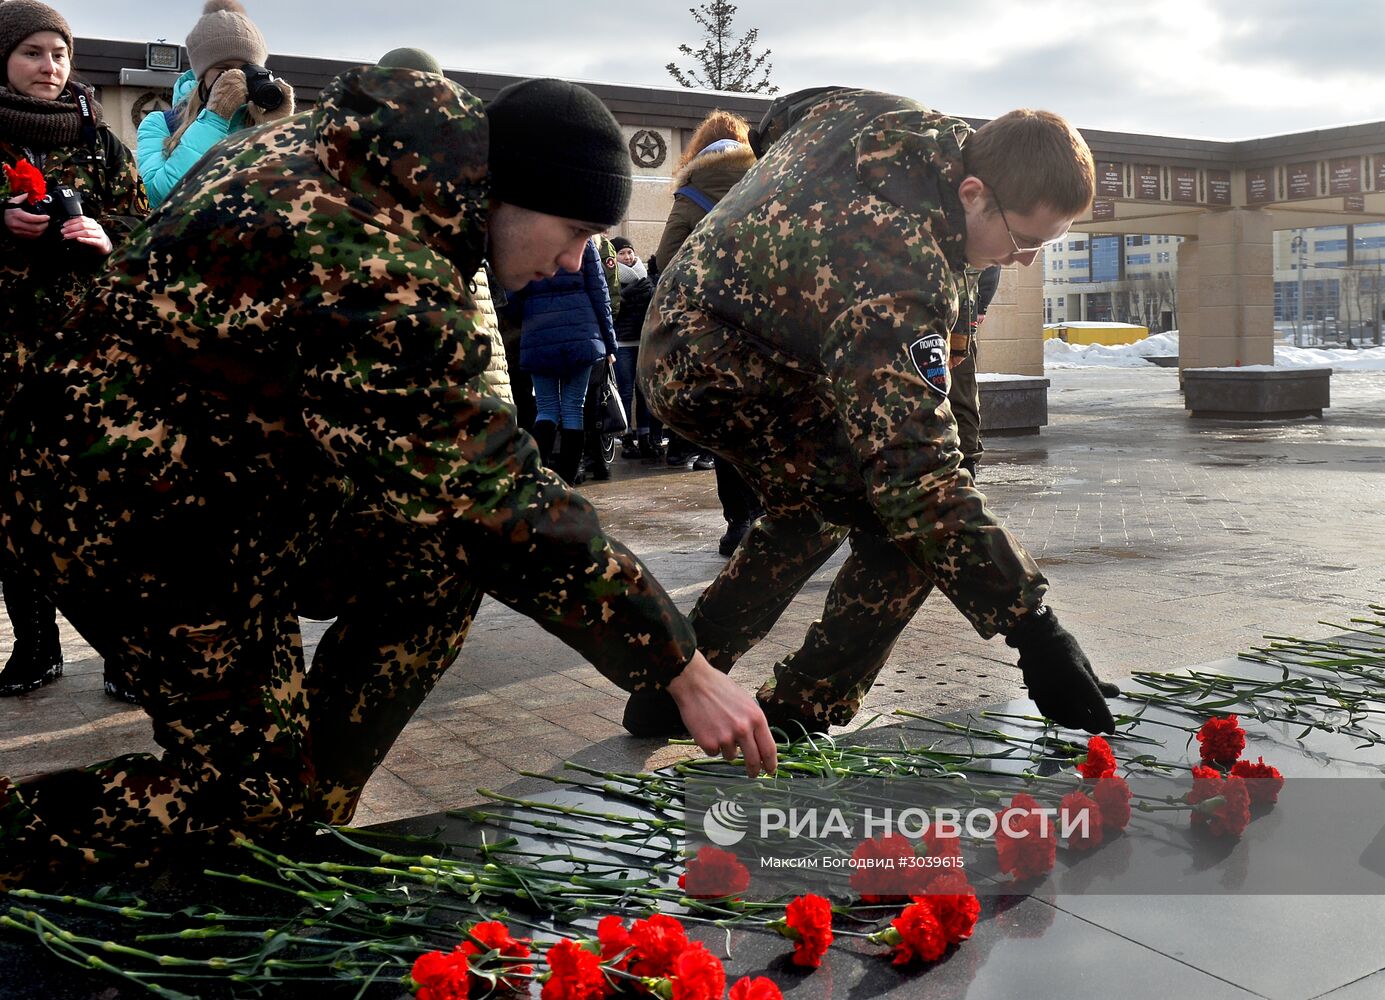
[[47, 264], [804, 332], [272, 404]]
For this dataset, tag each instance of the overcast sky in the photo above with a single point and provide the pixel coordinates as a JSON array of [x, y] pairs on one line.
[[1223, 69]]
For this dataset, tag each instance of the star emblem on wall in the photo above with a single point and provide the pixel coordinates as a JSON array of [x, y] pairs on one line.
[[647, 148]]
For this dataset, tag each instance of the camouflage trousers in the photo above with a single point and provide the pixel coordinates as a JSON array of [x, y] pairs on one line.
[[768, 419], [201, 600]]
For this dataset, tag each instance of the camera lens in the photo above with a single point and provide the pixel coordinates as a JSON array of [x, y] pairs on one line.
[[268, 96]]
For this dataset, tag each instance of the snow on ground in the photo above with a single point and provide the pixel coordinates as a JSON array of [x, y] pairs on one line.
[[1058, 354]]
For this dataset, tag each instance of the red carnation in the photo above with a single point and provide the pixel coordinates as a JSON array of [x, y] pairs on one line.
[[1112, 796], [614, 939], [714, 873], [495, 936], [657, 942], [1228, 812], [574, 974], [1031, 849], [759, 988], [1099, 762], [1082, 836], [441, 976], [25, 178], [1221, 740], [697, 974], [917, 934], [873, 876], [955, 905], [940, 846], [1263, 781], [808, 924]]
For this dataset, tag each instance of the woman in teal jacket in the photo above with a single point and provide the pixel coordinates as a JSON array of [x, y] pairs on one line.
[[210, 101]]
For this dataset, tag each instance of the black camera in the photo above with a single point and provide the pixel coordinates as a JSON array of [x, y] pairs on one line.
[[260, 87], [60, 204]]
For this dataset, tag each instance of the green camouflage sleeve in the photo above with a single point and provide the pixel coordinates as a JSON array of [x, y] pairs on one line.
[[608, 265], [443, 453], [889, 378], [126, 203]]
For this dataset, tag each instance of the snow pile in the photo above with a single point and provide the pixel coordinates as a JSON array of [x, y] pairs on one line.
[[1058, 354]]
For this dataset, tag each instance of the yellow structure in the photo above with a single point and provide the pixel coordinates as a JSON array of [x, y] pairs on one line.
[[1086, 334]]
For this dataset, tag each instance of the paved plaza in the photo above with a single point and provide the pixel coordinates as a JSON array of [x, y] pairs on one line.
[[1167, 541]]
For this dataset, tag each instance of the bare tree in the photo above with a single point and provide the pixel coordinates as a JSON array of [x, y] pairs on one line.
[[726, 64]]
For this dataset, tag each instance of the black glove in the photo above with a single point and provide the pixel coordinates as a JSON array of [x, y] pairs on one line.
[[1059, 676]]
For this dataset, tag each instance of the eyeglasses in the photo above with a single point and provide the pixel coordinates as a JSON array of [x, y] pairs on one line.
[[1011, 233]]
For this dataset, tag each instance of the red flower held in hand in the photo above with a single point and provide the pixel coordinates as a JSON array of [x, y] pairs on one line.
[[714, 873], [25, 178], [877, 874], [495, 936], [1263, 781], [1084, 831], [574, 974], [955, 905], [1112, 796], [658, 941], [759, 988], [1025, 842], [1099, 762], [441, 976], [808, 924], [917, 934], [697, 974], [1221, 740]]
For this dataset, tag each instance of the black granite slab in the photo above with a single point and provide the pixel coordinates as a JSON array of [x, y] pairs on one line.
[[1062, 937]]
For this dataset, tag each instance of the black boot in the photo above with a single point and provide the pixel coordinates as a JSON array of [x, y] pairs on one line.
[[597, 468], [38, 655], [118, 685], [655, 713], [735, 531], [570, 455], [789, 722], [652, 451], [545, 432]]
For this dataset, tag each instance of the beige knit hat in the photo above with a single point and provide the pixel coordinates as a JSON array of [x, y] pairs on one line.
[[224, 32], [21, 18]]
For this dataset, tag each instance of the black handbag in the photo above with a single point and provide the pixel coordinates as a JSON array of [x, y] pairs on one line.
[[610, 414]]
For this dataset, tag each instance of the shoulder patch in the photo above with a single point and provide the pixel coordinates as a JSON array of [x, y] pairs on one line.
[[929, 355], [610, 263]]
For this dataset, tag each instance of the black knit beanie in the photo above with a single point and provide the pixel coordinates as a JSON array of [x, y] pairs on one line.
[[621, 243], [556, 149]]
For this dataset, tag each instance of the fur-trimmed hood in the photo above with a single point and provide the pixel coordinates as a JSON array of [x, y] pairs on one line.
[[739, 157]]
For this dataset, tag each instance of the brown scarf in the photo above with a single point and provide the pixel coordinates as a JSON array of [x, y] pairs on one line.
[[41, 124]]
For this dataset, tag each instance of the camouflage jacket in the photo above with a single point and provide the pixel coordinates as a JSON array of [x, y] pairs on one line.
[[296, 323], [841, 254], [43, 279]]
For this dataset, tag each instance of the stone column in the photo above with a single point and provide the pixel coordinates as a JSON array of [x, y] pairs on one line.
[[1012, 338], [1233, 265], [1187, 319]]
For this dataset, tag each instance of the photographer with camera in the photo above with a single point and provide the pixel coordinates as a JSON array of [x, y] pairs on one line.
[[76, 195], [227, 89]]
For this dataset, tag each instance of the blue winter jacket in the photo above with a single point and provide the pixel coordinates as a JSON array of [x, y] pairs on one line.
[[567, 320], [162, 171]]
